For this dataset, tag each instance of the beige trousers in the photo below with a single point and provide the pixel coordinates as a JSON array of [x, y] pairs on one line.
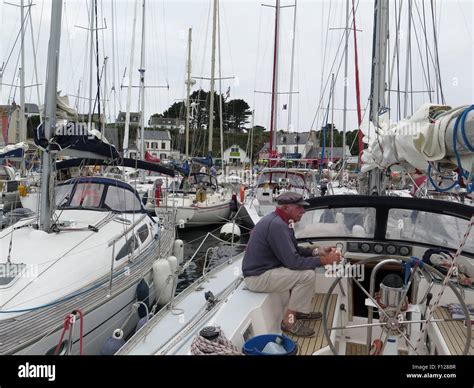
[[301, 285]]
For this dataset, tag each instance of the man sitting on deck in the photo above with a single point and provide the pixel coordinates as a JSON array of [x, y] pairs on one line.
[[274, 262]]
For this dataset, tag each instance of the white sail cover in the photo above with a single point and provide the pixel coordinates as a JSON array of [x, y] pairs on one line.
[[426, 136]]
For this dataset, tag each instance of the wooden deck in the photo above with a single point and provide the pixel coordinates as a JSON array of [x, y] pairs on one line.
[[307, 346], [454, 333]]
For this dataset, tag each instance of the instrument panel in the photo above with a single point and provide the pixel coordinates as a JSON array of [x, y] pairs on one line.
[[379, 248]]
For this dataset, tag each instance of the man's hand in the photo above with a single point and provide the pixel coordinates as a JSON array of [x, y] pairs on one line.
[[330, 255]]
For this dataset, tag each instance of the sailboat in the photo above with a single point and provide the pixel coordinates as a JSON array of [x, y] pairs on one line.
[[407, 267], [273, 181], [200, 198], [88, 257]]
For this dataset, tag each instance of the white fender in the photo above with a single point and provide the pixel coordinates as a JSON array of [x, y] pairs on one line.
[[178, 250], [229, 232], [173, 260], [162, 281]]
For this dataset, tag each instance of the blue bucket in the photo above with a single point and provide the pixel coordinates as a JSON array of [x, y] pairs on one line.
[[255, 345]]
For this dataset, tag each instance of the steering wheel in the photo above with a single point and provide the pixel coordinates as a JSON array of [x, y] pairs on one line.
[[392, 324]]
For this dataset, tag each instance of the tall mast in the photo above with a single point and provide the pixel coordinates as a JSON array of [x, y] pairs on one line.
[[142, 87], [379, 60], [129, 89], [213, 69], [344, 116], [91, 62], [357, 84], [290, 99], [273, 118], [22, 136], [221, 124], [189, 84], [50, 117]]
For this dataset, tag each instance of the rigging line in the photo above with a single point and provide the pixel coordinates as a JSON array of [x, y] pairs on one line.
[[421, 60], [35, 75], [226, 26], [165, 43], [324, 53], [426, 45], [68, 35], [435, 37], [429, 53], [205, 48], [23, 24], [333, 63]]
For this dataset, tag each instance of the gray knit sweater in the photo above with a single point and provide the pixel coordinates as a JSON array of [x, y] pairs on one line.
[[272, 244]]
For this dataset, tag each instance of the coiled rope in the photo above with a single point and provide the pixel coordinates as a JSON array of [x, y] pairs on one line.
[[217, 346]]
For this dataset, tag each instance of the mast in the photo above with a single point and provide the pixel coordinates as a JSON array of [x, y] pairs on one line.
[[50, 117], [273, 118], [221, 124], [129, 88], [142, 88], [357, 85], [379, 60], [189, 83], [91, 61], [290, 99], [331, 154], [22, 131], [344, 117], [213, 69]]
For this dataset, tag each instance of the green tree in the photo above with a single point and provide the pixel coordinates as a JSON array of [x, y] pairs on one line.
[[238, 113]]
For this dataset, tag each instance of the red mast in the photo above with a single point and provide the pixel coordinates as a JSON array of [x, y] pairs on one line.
[[274, 78], [357, 85]]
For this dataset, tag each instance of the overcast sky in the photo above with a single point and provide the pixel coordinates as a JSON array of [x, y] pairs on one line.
[[246, 53]]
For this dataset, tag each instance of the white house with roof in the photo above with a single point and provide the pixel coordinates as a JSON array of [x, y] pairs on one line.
[[165, 123], [295, 144], [158, 143], [235, 155]]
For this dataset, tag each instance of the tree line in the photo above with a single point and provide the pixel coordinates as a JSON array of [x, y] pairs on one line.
[[235, 113]]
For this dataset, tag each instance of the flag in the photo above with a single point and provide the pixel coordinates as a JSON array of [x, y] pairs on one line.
[[284, 106], [227, 94]]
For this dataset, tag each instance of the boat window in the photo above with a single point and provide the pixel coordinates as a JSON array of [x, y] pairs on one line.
[[128, 248], [296, 180], [143, 233], [271, 177], [343, 222], [429, 228], [202, 179], [87, 195], [120, 199], [62, 194]]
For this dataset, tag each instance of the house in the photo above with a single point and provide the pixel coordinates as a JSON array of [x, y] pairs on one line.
[[84, 118], [134, 118], [165, 123], [235, 155], [315, 153], [31, 110], [10, 123], [158, 143], [295, 145]]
